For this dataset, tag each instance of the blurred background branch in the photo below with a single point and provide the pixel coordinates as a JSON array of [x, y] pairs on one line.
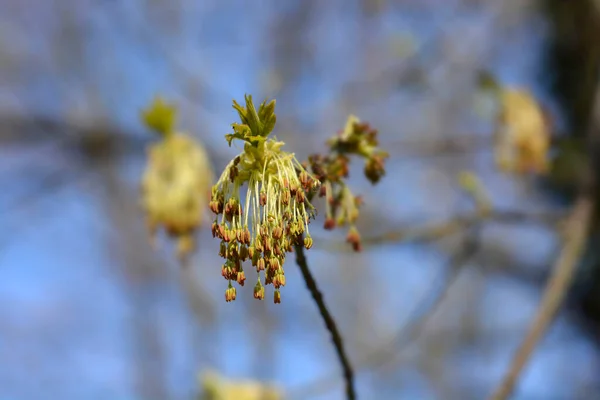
[[441, 294]]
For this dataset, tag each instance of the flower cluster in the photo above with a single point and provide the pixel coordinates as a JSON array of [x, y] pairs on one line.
[[523, 139], [274, 214], [215, 386], [342, 207], [176, 182]]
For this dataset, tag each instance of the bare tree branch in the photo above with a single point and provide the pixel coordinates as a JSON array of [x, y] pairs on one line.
[[554, 294]]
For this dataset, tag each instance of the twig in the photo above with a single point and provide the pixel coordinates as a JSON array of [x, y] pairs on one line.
[[311, 284], [556, 288], [443, 229], [418, 318], [423, 313]]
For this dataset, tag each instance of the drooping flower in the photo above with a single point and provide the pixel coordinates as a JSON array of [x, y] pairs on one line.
[[261, 200]]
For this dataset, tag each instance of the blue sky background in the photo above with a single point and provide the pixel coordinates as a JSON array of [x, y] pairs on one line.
[[89, 311]]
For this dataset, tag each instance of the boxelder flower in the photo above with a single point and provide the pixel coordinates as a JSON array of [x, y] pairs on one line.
[[273, 214], [176, 182]]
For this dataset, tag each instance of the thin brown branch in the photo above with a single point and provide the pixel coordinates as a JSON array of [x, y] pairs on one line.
[[311, 284], [556, 289]]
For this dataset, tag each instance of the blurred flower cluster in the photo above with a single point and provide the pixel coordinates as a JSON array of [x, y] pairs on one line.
[[342, 207], [216, 387], [273, 214], [523, 138], [176, 182]]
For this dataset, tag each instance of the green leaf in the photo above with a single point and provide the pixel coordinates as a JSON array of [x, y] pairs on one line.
[[253, 120], [242, 129], [266, 113], [255, 126], [269, 124], [160, 116], [241, 112]]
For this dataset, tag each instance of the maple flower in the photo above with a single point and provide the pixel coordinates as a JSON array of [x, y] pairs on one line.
[[342, 207], [261, 201], [176, 183]]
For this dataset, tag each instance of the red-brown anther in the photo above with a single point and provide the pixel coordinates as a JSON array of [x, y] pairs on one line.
[[300, 196], [226, 235], [277, 250], [253, 255], [262, 198], [293, 189], [246, 236], [233, 173], [329, 223], [371, 137], [354, 239], [237, 266], [361, 127], [287, 215], [241, 278], [259, 291], [277, 297], [279, 280], [274, 264], [277, 232], [214, 228], [230, 293], [214, 207], [258, 244], [264, 231], [286, 183], [322, 191], [312, 184], [374, 168], [344, 170], [304, 178], [239, 235], [268, 244], [236, 209], [286, 197], [225, 271], [260, 264], [268, 279]]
